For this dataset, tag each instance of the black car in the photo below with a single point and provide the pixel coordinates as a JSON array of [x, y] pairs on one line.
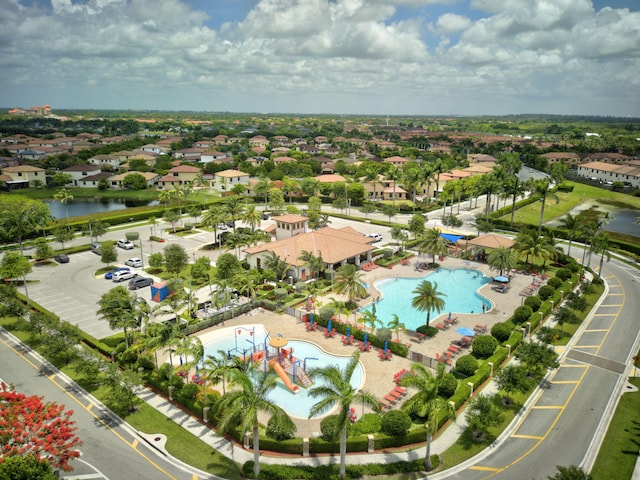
[[140, 282], [61, 258], [265, 216]]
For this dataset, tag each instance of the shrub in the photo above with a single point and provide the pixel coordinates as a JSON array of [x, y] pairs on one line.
[[546, 292], [371, 423], [484, 346], [502, 331], [428, 331], [279, 431], [534, 302], [522, 313], [573, 266], [448, 385], [329, 428], [396, 423], [554, 282], [187, 392], [466, 365], [563, 274]]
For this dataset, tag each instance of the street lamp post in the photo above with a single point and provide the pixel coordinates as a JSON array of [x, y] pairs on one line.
[[490, 365], [471, 389]]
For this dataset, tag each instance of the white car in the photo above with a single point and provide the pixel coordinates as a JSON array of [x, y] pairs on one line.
[[125, 244], [376, 237], [123, 275], [134, 262]]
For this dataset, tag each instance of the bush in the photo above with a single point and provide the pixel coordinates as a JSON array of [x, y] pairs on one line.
[[466, 365], [396, 423], [484, 346], [428, 331], [448, 385], [522, 313], [563, 274], [546, 292], [502, 331], [534, 302], [573, 265], [554, 282], [329, 428], [278, 431]]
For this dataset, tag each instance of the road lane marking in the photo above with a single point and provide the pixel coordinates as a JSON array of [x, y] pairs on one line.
[[486, 469], [547, 407], [527, 437], [96, 417]]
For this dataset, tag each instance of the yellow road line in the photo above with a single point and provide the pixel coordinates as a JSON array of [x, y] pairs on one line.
[[75, 399], [486, 469], [527, 437]]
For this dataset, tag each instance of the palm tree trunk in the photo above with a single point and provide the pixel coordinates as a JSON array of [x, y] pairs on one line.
[[256, 451], [343, 453], [427, 458], [513, 207]]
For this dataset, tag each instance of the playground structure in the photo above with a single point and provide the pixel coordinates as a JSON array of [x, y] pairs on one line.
[[291, 370]]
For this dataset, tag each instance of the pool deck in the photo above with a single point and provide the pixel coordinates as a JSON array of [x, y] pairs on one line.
[[379, 374]]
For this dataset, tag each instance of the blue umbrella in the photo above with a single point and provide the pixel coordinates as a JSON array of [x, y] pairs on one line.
[[329, 325], [348, 331], [366, 337], [465, 331], [449, 316], [386, 344]]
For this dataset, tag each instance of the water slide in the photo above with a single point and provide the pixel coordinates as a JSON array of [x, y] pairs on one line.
[[285, 378]]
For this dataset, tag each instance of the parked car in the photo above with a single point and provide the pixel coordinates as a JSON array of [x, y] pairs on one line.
[[109, 275], [122, 275], [376, 236], [140, 282], [265, 216], [125, 244], [221, 226], [96, 248], [61, 258], [134, 262]]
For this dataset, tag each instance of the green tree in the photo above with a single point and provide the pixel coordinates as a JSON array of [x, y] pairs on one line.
[[417, 225], [433, 243], [26, 467], [369, 317], [227, 266], [541, 188], [175, 258], [426, 403], [20, 216], [513, 378], [134, 181], [315, 264], [64, 196], [251, 217], [600, 245], [275, 264], [350, 282], [368, 208], [276, 200], [62, 235], [396, 325], [537, 357], [14, 265], [108, 253], [482, 414], [390, 210], [214, 217], [172, 217], [335, 388], [43, 249], [570, 473], [118, 307], [502, 259], [239, 408], [428, 298], [572, 226], [95, 228]]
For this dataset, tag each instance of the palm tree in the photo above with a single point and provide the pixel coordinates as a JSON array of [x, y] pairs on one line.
[[262, 189], [350, 283], [426, 403], [314, 264], [117, 306], [240, 406], [278, 266], [433, 243], [601, 246], [64, 197], [427, 298], [235, 209], [396, 325], [514, 187], [502, 258], [212, 218], [335, 387], [338, 307], [534, 246], [251, 217], [165, 196], [572, 225], [179, 194], [399, 234], [247, 283], [541, 187], [369, 317]]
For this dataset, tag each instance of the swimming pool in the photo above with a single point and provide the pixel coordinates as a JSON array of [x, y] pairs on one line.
[[460, 287], [238, 340]]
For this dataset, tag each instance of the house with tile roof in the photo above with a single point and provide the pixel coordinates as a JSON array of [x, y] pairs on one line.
[[571, 159], [116, 181], [225, 180], [609, 172], [397, 161], [337, 247], [93, 181], [23, 176], [78, 172], [112, 160]]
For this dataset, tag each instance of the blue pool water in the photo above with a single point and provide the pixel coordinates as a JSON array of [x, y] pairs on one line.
[[240, 339], [460, 287]]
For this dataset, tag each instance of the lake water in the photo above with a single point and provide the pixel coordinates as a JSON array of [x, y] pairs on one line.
[[82, 207]]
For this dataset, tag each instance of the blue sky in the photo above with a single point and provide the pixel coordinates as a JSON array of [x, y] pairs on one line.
[[387, 57]]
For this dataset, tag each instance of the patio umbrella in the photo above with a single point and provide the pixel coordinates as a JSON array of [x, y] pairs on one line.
[[386, 345], [465, 331], [501, 279], [449, 316], [329, 325], [348, 331], [365, 338]]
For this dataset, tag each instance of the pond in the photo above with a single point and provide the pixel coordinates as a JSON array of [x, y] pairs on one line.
[[83, 207]]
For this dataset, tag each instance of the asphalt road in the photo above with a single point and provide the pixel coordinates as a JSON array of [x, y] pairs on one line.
[[568, 419], [110, 450]]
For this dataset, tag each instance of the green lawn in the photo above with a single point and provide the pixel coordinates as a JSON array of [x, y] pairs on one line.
[[619, 450], [530, 214]]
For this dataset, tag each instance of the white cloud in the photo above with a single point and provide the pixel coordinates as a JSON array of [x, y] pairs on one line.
[[318, 55]]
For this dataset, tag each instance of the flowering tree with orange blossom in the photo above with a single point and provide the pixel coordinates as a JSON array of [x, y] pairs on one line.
[[29, 426]]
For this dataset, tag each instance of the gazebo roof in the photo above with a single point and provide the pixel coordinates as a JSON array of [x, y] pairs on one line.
[[491, 240]]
